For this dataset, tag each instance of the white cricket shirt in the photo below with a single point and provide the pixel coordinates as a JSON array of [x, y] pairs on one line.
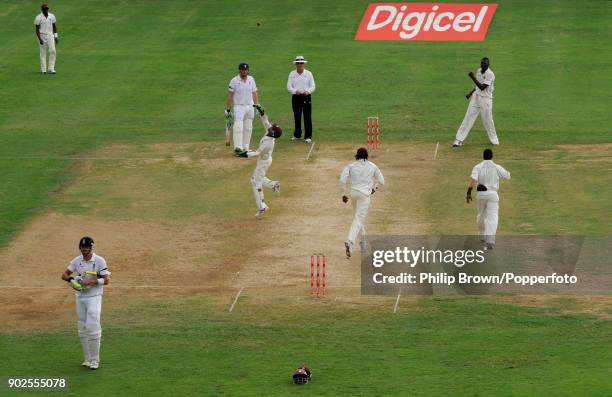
[[364, 176], [300, 82], [488, 77], [243, 90], [96, 264], [45, 23], [488, 173], [266, 144]]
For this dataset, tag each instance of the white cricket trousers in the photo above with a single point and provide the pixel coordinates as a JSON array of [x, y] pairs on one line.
[[243, 126], [88, 324], [259, 181], [483, 106], [487, 218], [48, 44], [361, 203]]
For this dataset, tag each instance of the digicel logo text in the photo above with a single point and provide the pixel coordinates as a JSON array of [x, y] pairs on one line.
[[426, 21]]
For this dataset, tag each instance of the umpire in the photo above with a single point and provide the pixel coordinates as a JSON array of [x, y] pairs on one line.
[[301, 84]]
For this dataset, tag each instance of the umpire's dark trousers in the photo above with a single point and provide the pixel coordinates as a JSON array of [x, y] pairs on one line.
[[301, 104]]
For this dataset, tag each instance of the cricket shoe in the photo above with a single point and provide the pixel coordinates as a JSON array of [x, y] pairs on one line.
[[261, 212], [276, 187], [308, 140], [457, 143], [86, 364], [52, 72], [94, 365], [489, 247], [294, 138], [348, 246]]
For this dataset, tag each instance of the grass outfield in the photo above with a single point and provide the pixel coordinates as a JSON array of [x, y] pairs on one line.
[[480, 348], [127, 81], [142, 86]]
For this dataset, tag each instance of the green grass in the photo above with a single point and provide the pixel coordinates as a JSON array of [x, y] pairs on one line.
[[481, 348], [142, 72], [127, 80]]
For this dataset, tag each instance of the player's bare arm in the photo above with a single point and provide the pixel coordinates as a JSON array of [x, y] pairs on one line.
[[55, 33], [468, 196], [255, 97], [94, 281], [66, 275], [480, 86], [37, 31], [229, 101]]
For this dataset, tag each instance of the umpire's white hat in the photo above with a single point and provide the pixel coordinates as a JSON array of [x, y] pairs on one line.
[[300, 59]]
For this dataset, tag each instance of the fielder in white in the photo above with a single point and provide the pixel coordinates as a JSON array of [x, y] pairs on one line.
[[87, 274], [485, 176], [366, 179], [481, 102], [259, 180], [46, 32], [243, 94]]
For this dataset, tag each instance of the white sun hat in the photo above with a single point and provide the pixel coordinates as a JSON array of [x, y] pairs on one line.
[[300, 59]]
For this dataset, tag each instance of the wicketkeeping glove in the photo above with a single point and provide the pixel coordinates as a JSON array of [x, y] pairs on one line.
[[229, 118], [242, 154], [260, 109]]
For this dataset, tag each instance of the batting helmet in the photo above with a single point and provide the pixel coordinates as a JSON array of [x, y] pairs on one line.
[[243, 66], [86, 242], [276, 130], [301, 376]]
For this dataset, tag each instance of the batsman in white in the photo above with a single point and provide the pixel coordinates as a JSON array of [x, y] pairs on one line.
[[481, 101], [264, 161], [366, 179], [242, 92], [87, 274], [485, 176]]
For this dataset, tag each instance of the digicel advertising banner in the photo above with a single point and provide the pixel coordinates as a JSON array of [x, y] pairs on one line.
[[426, 21]]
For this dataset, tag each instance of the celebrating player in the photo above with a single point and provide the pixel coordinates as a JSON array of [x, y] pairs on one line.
[[481, 101], [87, 274], [264, 160], [366, 178]]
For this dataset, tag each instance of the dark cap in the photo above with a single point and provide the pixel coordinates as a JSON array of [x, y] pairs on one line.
[[86, 242], [243, 66], [487, 154]]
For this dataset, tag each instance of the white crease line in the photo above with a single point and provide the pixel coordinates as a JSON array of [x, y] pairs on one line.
[[236, 300], [397, 301], [436, 151], [310, 151]]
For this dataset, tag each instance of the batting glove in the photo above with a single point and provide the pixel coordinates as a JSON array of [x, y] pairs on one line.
[[76, 285], [260, 109], [229, 118]]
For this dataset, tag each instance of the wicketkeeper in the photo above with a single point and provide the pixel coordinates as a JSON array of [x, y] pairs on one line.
[[87, 274], [264, 161]]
